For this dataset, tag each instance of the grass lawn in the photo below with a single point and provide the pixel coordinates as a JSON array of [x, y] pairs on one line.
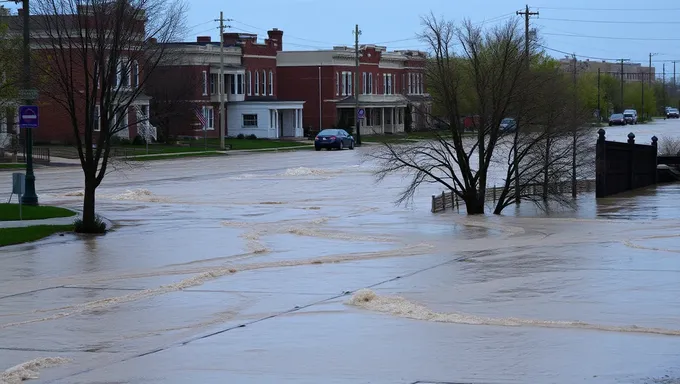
[[264, 144], [12, 166], [10, 212], [11, 236], [198, 146]]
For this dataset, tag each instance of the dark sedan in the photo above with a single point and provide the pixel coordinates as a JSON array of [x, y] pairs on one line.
[[333, 138], [617, 119]]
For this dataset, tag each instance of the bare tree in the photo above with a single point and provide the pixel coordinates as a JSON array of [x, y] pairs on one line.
[[485, 74], [172, 111], [96, 58]]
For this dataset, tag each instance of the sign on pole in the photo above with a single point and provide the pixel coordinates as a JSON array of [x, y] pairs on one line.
[[28, 116], [27, 94], [361, 113]]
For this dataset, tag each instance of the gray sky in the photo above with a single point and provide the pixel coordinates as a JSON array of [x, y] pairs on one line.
[[573, 26]]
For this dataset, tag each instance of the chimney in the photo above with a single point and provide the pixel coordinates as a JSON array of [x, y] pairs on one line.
[[203, 39], [20, 11], [276, 38]]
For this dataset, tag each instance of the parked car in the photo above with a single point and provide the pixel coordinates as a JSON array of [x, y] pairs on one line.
[[333, 138], [617, 119], [508, 125], [631, 116], [672, 113]]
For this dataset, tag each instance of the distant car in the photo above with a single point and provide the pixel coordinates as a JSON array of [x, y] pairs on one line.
[[673, 113], [617, 119], [333, 138], [631, 116], [508, 125]]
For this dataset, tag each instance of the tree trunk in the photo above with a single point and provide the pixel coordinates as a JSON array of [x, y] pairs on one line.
[[89, 224], [473, 205]]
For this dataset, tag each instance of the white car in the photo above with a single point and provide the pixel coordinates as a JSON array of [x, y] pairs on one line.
[[631, 116]]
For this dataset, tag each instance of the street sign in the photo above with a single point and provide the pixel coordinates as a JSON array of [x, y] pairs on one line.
[[18, 183], [28, 116], [361, 113], [28, 94]]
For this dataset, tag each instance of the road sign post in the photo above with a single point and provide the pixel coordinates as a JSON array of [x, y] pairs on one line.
[[29, 120], [18, 188]]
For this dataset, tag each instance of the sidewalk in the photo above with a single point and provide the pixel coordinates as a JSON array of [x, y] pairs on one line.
[[32, 223]]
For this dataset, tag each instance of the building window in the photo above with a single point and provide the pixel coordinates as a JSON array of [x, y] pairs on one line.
[[205, 83], [240, 78], [249, 121], [271, 83], [257, 83], [213, 83], [232, 84], [410, 83], [264, 82], [363, 83], [97, 121], [368, 119], [421, 89], [135, 74], [387, 83], [400, 115], [209, 115], [249, 82], [347, 83], [370, 84], [337, 83]]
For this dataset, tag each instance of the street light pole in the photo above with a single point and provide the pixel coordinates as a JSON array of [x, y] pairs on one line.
[[29, 197]]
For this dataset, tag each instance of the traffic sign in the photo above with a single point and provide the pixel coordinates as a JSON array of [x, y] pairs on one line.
[[361, 113], [28, 116], [28, 94]]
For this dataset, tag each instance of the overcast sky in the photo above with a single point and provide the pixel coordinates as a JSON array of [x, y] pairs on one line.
[[604, 29]]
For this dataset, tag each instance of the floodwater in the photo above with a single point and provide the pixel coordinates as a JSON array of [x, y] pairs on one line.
[[297, 267]]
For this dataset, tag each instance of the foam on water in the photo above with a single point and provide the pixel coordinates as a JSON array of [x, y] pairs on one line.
[[139, 195], [304, 171], [30, 370], [203, 275], [80, 193], [401, 307]]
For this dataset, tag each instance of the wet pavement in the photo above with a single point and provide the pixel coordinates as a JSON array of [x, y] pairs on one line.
[[240, 269]]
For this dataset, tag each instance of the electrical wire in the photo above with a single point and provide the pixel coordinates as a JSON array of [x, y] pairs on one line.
[[611, 21], [611, 9], [613, 37]]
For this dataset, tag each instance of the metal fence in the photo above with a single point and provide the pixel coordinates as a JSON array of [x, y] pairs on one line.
[[449, 200]]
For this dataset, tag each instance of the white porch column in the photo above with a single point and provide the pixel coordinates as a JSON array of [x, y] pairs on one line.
[[382, 119], [392, 113], [276, 123], [300, 128]]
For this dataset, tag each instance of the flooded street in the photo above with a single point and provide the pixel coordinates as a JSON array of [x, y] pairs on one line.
[[296, 267]]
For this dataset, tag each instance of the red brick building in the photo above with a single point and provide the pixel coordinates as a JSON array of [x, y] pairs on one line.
[[250, 86], [389, 83], [55, 123]]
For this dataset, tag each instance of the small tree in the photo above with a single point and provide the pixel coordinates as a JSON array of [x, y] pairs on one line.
[[96, 58], [10, 49], [171, 108]]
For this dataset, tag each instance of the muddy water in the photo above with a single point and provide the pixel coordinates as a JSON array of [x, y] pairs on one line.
[[281, 242]]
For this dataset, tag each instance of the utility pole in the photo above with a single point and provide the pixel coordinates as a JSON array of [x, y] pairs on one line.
[[663, 88], [574, 134], [29, 197], [650, 74], [357, 33], [642, 83], [622, 101], [221, 84], [599, 109], [527, 58]]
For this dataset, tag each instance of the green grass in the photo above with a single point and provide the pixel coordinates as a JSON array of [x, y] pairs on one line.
[[197, 146], [10, 212], [237, 144], [11, 236], [12, 166]]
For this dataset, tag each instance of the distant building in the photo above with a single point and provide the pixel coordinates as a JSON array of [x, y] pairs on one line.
[[390, 83], [632, 72]]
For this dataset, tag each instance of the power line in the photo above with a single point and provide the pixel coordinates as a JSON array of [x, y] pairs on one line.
[[612, 37], [611, 21], [288, 36], [612, 9]]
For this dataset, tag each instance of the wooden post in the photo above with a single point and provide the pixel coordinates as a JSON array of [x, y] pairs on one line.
[[453, 202], [434, 204], [601, 165], [494, 193], [655, 144], [631, 161], [444, 201]]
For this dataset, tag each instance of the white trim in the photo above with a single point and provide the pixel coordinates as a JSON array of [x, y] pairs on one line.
[[209, 115], [259, 57], [271, 83], [205, 83], [264, 82], [243, 125], [249, 80], [257, 83]]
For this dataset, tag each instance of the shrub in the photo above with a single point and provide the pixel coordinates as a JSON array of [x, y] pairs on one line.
[[98, 227], [241, 136], [252, 137], [139, 140]]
